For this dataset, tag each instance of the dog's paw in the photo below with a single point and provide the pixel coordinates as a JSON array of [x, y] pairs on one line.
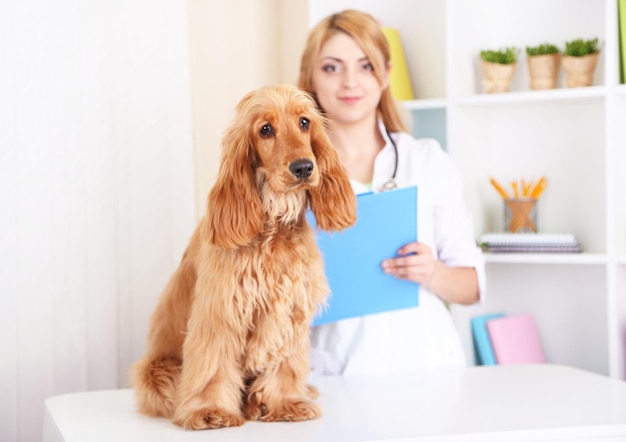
[[292, 411], [208, 419], [253, 410]]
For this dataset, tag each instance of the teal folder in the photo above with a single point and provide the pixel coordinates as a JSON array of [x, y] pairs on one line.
[[385, 222], [482, 341]]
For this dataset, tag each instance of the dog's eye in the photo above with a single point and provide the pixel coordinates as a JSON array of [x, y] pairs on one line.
[[266, 131], [304, 123]]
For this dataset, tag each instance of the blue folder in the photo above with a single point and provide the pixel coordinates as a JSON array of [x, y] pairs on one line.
[[482, 341], [385, 222]]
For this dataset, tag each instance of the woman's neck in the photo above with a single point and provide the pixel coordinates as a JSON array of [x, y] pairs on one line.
[[357, 146]]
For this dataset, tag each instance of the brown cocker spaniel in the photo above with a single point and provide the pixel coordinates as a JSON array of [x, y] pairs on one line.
[[229, 338]]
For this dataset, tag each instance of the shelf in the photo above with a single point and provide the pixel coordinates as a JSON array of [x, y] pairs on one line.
[[546, 258], [533, 96], [559, 94], [427, 103]]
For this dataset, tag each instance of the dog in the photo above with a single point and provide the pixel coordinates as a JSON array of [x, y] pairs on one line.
[[229, 338]]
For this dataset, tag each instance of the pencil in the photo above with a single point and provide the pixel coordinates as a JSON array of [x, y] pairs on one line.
[[499, 188], [539, 188], [515, 189]]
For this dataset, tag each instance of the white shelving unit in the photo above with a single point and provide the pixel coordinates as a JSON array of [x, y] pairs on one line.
[[576, 137]]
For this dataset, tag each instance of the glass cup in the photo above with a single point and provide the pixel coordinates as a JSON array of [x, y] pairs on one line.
[[520, 215]]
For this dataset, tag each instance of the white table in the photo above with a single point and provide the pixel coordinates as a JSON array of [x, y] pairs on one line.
[[497, 403]]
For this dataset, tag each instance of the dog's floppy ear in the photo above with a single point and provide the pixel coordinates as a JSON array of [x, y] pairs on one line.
[[333, 202], [234, 212]]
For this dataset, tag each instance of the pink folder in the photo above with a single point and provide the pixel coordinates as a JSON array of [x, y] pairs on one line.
[[515, 340]]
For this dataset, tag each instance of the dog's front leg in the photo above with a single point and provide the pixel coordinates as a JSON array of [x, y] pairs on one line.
[[209, 394], [280, 392]]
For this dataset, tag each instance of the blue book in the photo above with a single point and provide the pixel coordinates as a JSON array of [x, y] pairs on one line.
[[385, 222], [482, 341]]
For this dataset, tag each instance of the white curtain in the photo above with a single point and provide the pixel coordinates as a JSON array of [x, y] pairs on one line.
[[96, 191]]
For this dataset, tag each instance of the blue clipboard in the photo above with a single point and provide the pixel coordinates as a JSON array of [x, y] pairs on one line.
[[352, 259]]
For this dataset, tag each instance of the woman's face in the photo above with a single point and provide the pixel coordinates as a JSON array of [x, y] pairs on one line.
[[344, 81]]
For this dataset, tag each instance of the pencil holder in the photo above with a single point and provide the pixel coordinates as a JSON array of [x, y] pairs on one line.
[[520, 215]]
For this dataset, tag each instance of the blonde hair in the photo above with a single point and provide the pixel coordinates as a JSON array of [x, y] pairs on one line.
[[366, 32]]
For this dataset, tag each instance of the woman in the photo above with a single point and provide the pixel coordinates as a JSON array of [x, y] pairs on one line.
[[345, 66]]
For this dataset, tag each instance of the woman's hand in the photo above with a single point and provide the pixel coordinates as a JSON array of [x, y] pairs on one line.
[[417, 263]]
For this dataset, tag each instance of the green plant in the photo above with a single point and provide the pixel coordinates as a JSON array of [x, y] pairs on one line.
[[501, 56], [542, 49], [580, 47]]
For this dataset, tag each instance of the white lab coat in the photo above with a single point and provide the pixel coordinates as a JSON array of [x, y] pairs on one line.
[[425, 336]]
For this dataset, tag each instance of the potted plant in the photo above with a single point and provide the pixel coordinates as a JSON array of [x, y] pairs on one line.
[[579, 61], [498, 67], [543, 65]]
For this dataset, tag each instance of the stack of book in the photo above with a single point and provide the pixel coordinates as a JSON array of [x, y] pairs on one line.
[[530, 243]]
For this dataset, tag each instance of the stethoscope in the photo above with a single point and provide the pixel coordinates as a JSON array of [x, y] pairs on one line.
[[391, 184]]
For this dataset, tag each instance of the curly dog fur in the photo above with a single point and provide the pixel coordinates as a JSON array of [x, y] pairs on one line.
[[229, 338]]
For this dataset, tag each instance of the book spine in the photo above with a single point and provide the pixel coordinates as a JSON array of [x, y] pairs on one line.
[[622, 39]]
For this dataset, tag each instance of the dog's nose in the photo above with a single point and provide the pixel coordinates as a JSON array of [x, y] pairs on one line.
[[301, 168]]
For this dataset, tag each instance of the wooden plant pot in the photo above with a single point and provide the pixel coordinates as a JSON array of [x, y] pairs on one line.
[[497, 77], [579, 70], [543, 70]]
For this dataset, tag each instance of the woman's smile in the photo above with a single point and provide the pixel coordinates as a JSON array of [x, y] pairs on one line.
[[350, 100]]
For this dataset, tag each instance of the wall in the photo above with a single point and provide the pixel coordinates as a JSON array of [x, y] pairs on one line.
[[104, 106], [236, 47]]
